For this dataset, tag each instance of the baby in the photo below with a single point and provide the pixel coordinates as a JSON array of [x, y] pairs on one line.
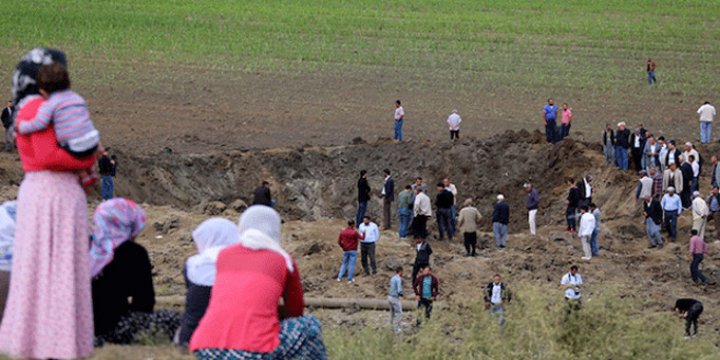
[[68, 111]]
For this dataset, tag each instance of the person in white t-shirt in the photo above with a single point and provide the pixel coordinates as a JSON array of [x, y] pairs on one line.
[[399, 117], [572, 283], [706, 112], [587, 226], [454, 121]]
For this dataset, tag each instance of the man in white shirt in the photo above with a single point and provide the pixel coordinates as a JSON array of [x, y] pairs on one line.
[[422, 210], [399, 117], [454, 121], [571, 283], [587, 226], [706, 112], [689, 150], [700, 212], [371, 234]]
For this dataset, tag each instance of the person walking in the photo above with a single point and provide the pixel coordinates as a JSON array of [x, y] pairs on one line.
[[395, 296], [7, 123], [399, 117], [422, 211], [388, 195], [549, 115], [572, 202], [700, 212], [587, 226], [500, 220], [572, 283], [651, 72], [444, 201], [673, 178], [468, 222], [427, 288], [363, 196], [532, 203], [594, 246], [262, 195], [622, 144], [672, 207], [690, 310], [609, 144], [348, 241], [453, 209], [369, 235], [565, 122], [707, 113], [713, 202], [423, 250], [638, 146], [405, 210], [496, 296], [454, 121], [644, 187], [105, 168], [653, 221], [698, 249]]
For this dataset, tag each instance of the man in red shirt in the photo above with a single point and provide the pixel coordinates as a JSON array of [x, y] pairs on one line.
[[348, 241]]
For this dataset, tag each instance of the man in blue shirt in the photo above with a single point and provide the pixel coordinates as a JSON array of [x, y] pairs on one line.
[[672, 207], [396, 293], [549, 116], [714, 205]]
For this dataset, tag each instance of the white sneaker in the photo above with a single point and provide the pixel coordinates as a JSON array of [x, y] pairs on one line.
[[586, 258], [351, 281]]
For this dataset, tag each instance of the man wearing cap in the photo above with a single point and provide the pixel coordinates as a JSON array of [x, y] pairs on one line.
[[706, 112], [672, 177], [622, 144], [645, 186], [653, 221], [700, 213], [672, 207], [500, 220], [454, 121], [467, 221], [532, 202]]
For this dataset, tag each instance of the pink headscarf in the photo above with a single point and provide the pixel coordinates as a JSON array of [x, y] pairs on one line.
[[116, 221]]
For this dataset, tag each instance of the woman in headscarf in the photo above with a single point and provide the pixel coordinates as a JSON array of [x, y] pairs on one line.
[[8, 211], [49, 308], [122, 285], [244, 320], [211, 237]]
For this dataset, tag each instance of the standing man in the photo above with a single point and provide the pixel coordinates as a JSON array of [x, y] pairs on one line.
[[369, 235], [714, 204], [700, 214], [348, 241], [690, 310], [645, 186], [687, 176], [454, 121], [496, 296], [453, 189], [419, 183], [609, 144], [426, 288], [657, 179], [673, 155], [405, 210], [468, 221], [105, 168], [399, 117], [707, 113], [394, 297], [622, 144], [651, 153], [572, 283], [585, 190], [594, 246], [698, 249], [422, 211], [587, 226], [363, 196], [572, 202], [422, 257], [673, 178], [500, 220], [689, 150], [638, 146], [651, 72], [532, 202], [565, 121], [672, 207], [662, 156], [7, 122], [653, 219], [444, 201], [388, 195], [715, 176], [549, 115], [262, 195]]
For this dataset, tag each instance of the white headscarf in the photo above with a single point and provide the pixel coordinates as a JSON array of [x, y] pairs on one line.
[[211, 237], [259, 229], [8, 211]]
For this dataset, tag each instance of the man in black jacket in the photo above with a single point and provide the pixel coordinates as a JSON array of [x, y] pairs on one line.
[[673, 155], [422, 256], [622, 144], [500, 220], [496, 296], [363, 197], [572, 201], [262, 195], [690, 310], [584, 186], [687, 172], [388, 195], [444, 202], [7, 122], [637, 143], [653, 221]]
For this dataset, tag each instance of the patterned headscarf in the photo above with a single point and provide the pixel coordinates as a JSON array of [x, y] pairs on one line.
[[116, 221], [24, 80], [8, 212]]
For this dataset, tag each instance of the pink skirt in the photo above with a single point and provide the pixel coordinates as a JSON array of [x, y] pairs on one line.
[[49, 307]]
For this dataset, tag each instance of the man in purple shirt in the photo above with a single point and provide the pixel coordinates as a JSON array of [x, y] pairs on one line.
[[549, 116]]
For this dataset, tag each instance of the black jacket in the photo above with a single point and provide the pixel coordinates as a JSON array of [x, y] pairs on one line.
[[129, 275], [197, 299], [654, 211], [688, 173], [105, 167], [580, 185], [389, 187], [444, 200], [642, 142], [363, 190], [622, 138], [6, 118], [501, 213], [676, 154], [262, 196], [573, 197], [686, 304], [505, 294], [422, 256], [612, 137]]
